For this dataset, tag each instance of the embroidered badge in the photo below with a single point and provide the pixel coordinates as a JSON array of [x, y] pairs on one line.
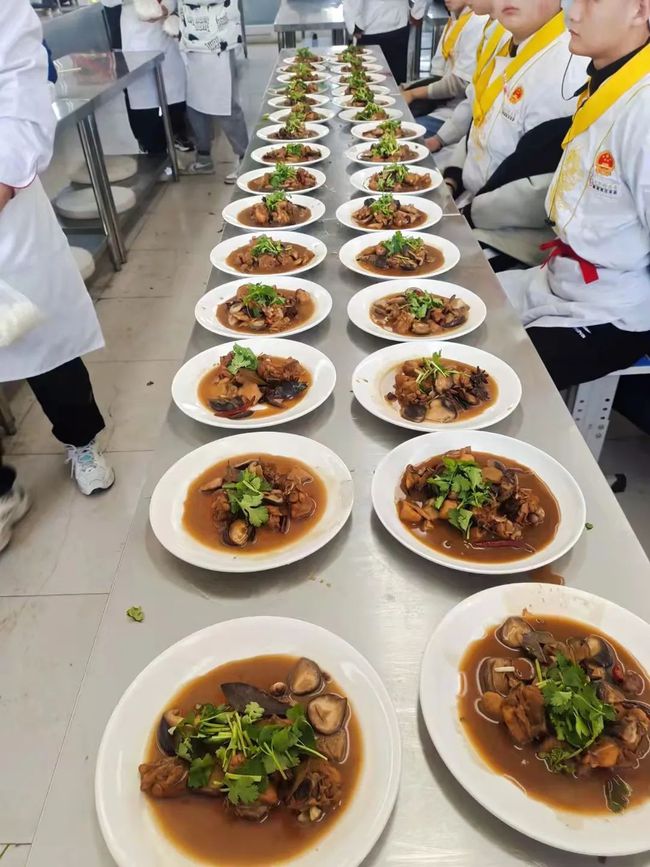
[[605, 164], [516, 95]]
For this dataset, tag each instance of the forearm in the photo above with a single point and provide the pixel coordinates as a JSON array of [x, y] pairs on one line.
[[457, 127], [517, 205], [450, 86]]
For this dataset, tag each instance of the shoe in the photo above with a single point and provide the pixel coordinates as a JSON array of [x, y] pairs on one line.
[[90, 469], [231, 178], [183, 144], [201, 166], [13, 506]]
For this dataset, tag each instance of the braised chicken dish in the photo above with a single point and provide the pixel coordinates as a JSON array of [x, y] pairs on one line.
[[294, 128], [388, 150], [399, 179], [390, 127], [562, 710], [371, 111], [439, 390], [306, 86], [387, 212], [400, 255], [477, 506], [292, 153], [351, 54], [307, 112], [283, 177], [275, 210], [358, 78], [253, 762], [298, 96], [302, 71], [263, 255], [260, 309], [361, 96], [419, 314], [306, 55], [256, 503], [244, 383]]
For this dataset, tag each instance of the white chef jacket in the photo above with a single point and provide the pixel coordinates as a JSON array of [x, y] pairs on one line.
[[599, 201], [35, 258], [461, 62], [380, 16]]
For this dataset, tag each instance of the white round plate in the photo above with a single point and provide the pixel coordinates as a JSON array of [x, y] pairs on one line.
[[368, 66], [220, 253], [285, 78], [351, 249], [316, 131], [319, 66], [415, 130], [360, 179], [345, 100], [131, 834], [280, 89], [361, 302], [244, 180], [319, 99], [321, 369], [386, 492], [349, 115], [355, 153], [333, 51], [380, 89], [341, 80], [206, 307], [344, 212], [283, 113], [232, 210], [599, 836], [374, 377], [258, 156], [166, 507]]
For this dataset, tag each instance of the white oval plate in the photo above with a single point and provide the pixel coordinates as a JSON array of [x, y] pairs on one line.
[[599, 836], [134, 838], [244, 180], [206, 307], [341, 80], [374, 377], [355, 154], [326, 114], [220, 253], [386, 492], [166, 507], [359, 180], [321, 369], [345, 100], [333, 51], [351, 249], [318, 131], [233, 209], [368, 66], [278, 101], [285, 78], [344, 212], [380, 89], [319, 66], [361, 302], [349, 115], [258, 156], [279, 89], [416, 130]]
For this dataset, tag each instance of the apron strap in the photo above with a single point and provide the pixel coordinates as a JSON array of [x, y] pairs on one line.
[[557, 247]]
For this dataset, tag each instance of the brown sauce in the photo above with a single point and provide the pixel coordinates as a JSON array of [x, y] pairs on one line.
[[416, 222], [278, 268], [520, 764], [197, 514], [445, 538], [305, 312], [262, 410], [202, 827], [247, 218], [424, 182], [435, 261], [382, 322], [258, 186], [307, 134]]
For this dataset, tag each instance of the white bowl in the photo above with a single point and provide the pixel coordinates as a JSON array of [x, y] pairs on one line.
[[360, 179], [351, 249], [416, 130], [333, 52], [599, 836], [355, 153], [134, 838], [244, 180], [361, 302], [206, 307], [322, 371], [345, 100], [368, 66], [258, 155], [374, 377], [386, 492], [350, 115], [283, 113], [380, 89], [285, 77], [316, 131], [220, 253], [319, 99], [344, 212], [167, 501], [232, 210]]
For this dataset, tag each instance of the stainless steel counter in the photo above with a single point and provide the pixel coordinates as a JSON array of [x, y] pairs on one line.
[[296, 15], [363, 585]]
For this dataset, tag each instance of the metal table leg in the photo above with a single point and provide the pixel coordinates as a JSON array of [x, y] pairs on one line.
[[167, 123], [290, 39], [591, 405], [243, 28], [415, 58], [338, 36], [94, 155]]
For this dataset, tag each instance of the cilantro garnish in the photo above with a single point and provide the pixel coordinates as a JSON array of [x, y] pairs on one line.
[[273, 200], [386, 145], [465, 480], [390, 176], [242, 357], [430, 368], [259, 295], [135, 613], [263, 244], [420, 303], [389, 126], [383, 205], [367, 114], [293, 150], [281, 174], [400, 243], [200, 772], [246, 495]]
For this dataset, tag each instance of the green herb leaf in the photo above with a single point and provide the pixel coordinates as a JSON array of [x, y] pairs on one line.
[[421, 303], [617, 794], [241, 789], [461, 519], [400, 243], [259, 295], [135, 613], [463, 479], [242, 357], [265, 245], [246, 497], [293, 150], [386, 146], [281, 174], [383, 205], [273, 199], [589, 526], [390, 176], [431, 367], [367, 114], [200, 772]]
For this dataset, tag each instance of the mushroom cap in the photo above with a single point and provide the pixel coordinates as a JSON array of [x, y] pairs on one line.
[[327, 712], [305, 677]]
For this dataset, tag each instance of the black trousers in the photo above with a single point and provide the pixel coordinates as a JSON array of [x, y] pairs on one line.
[[113, 17], [572, 358], [147, 126], [395, 46], [66, 397]]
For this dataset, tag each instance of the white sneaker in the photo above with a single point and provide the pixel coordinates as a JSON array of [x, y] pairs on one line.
[[201, 166], [90, 469], [13, 507], [231, 178]]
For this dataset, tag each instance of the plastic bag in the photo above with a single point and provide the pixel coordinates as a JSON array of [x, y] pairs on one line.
[[17, 314], [148, 10]]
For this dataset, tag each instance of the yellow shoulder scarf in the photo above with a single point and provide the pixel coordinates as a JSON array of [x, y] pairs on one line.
[[486, 50], [452, 32]]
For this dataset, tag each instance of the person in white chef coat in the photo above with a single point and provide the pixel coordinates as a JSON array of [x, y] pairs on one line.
[[210, 35], [501, 171], [454, 63], [385, 23], [35, 260], [587, 310]]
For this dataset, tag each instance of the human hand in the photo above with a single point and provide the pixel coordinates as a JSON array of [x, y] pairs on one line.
[[416, 22], [408, 96], [434, 143], [6, 194], [452, 186]]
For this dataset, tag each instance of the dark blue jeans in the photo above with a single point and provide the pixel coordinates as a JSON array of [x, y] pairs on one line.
[[431, 124]]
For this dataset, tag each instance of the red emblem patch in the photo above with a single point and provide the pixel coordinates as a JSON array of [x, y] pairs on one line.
[[516, 95], [605, 163]]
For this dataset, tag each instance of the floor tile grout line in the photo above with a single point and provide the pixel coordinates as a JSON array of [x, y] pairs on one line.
[[53, 595]]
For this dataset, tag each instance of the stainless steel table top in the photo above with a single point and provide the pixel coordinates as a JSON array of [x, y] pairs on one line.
[[308, 15], [363, 585]]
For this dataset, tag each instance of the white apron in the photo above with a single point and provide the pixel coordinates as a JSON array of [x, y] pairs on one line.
[[36, 260], [140, 35], [461, 62], [209, 81]]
